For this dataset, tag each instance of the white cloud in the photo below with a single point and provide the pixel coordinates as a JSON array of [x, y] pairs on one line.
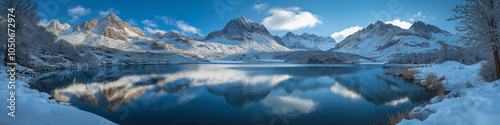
[[46, 22], [153, 31], [183, 26], [187, 28], [402, 24], [344, 92], [132, 22], [167, 20], [110, 10], [149, 23], [417, 17], [260, 7], [74, 19], [290, 19], [174, 31], [339, 36], [78, 11]]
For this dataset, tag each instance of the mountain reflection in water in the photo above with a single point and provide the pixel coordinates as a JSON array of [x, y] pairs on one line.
[[234, 93]]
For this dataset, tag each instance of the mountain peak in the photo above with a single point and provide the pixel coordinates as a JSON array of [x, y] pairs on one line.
[[56, 27], [112, 17], [307, 41], [157, 35], [240, 28], [197, 36], [54, 22], [419, 26], [379, 22], [110, 26], [243, 20]]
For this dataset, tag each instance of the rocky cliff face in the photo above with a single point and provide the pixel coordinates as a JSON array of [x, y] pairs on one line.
[[86, 26], [110, 26], [56, 27], [239, 29]]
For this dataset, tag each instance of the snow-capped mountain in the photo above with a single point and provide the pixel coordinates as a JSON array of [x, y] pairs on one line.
[[383, 40], [240, 35], [197, 36], [239, 29], [247, 34], [56, 27], [110, 26], [109, 31], [307, 41]]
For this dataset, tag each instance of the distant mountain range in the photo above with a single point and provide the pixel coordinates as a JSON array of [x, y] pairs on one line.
[[56, 27], [242, 35], [382, 40], [306, 41]]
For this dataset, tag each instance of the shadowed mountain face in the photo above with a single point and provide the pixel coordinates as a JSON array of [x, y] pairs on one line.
[[233, 93], [240, 29], [306, 41]]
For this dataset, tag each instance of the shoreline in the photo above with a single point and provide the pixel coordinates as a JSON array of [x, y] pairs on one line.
[[29, 76]]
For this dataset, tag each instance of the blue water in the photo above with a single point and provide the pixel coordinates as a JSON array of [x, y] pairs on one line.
[[235, 93]]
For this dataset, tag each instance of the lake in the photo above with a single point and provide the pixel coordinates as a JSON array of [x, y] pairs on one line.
[[266, 94]]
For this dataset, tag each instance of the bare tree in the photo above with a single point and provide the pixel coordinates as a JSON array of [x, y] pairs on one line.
[[479, 20], [26, 8]]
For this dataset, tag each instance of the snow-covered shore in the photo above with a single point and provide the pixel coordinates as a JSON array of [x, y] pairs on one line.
[[475, 105], [477, 102], [33, 107]]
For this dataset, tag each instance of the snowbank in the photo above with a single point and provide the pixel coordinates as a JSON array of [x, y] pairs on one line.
[[475, 105], [34, 108], [455, 73]]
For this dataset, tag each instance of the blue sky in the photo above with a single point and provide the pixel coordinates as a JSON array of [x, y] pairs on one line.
[[321, 17]]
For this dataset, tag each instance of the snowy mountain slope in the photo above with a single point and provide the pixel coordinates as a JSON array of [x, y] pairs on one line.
[[197, 37], [307, 42], [109, 31], [383, 40], [247, 34], [240, 35]]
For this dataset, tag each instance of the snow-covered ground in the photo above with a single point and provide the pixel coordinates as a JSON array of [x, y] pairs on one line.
[[476, 105], [35, 108]]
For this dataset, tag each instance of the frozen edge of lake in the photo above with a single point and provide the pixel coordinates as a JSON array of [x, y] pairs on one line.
[[476, 105], [34, 107]]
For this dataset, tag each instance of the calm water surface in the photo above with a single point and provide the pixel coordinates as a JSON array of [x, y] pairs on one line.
[[235, 93]]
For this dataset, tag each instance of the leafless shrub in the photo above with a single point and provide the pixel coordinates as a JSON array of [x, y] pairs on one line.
[[407, 73], [434, 84], [398, 116], [487, 72], [468, 84], [457, 91]]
